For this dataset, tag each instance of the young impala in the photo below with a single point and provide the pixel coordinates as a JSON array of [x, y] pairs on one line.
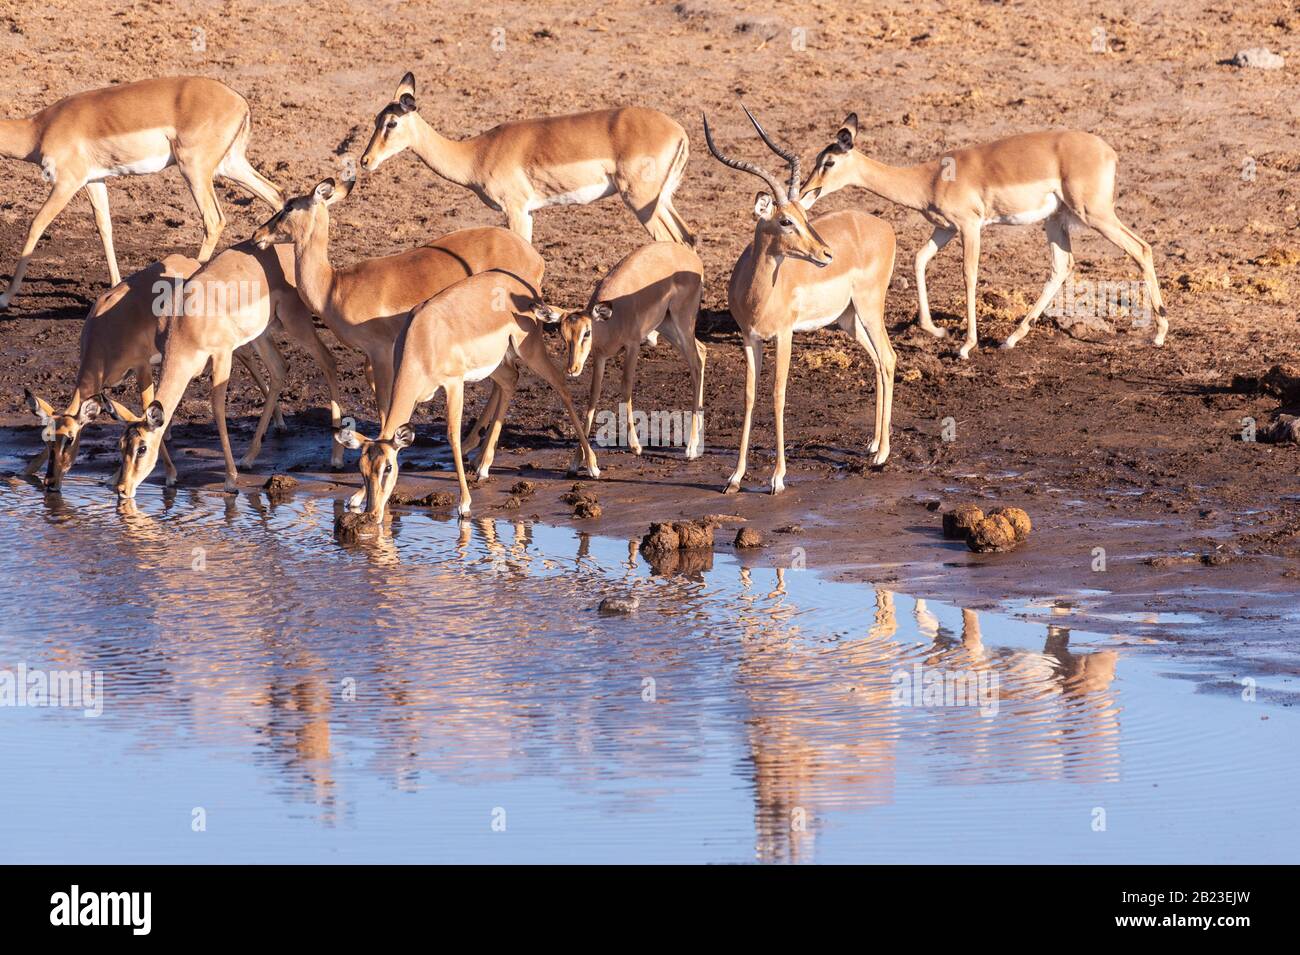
[[654, 290], [367, 304], [485, 326], [1060, 178], [118, 338], [197, 124], [520, 167], [236, 299], [798, 275]]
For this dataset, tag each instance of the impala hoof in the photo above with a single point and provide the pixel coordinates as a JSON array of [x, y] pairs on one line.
[[732, 488], [936, 331]]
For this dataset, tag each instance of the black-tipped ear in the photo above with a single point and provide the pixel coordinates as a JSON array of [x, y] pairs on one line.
[[404, 437], [406, 104], [848, 131], [602, 311], [405, 88], [153, 416], [39, 406], [89, 410], [323, 191]]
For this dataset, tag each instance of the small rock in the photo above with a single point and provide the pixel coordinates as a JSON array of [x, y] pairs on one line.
[[992, 535], [613, 605], [790, 529], [1258, 58], [958, 522], [748, 537]]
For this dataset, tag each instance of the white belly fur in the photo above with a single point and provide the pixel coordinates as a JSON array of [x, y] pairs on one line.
[[812, 324], [141, 167], [580, 196], [1051, 202], [478, 374]]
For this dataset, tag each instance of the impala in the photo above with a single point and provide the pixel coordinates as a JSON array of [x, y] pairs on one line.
[[194, 334], [520, 167], [197, 124], [118, 338], [1060, 178], [367, 304], [654, 290], [799, 275], [485, 326]]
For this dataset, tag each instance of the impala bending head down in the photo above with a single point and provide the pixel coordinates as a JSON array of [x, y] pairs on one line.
[[378, 465], [577, 330], [62, 434], [300, 214], [832, 170], [138, 446]]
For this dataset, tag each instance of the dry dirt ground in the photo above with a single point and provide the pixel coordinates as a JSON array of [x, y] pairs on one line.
[[1107, 443]]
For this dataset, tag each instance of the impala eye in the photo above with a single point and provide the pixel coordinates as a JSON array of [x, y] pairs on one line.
[[139, 452], [829, 162], [787, 222]]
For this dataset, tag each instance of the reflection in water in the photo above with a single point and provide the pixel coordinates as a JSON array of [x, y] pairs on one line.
[[467, 655]]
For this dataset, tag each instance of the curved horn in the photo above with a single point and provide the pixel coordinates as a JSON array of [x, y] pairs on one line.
[[792, 159], [778, 192]]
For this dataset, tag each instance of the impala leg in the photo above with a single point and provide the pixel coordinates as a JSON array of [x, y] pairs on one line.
[[484, 420], [630, 360], [384, 390], [593, 400], [938, 239], [297, 322], [198, 176], [1137, 249], [276, 372], [532, 351], [970, 252], [38, 461], [55, 202], [97, 192], [245, 355], [504, 380], [1058, 240], [520, 222], [221, 362], [869, 330], [784, 342], [455, 406], [753, 371]]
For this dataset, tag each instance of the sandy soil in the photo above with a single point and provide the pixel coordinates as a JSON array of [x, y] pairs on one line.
[[1109, 443]]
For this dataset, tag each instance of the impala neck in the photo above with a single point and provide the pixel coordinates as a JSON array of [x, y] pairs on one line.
[[906, 185], [448, 158], [765, 269], [175, 376], [18, 139], [311, 262]]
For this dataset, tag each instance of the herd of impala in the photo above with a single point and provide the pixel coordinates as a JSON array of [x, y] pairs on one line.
[[467, 306]]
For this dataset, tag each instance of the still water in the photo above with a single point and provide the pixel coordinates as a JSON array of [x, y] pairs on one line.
[[451, 694]]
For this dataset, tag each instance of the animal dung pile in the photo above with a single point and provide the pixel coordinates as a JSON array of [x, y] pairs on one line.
[[279, 486], [958, 522], [432, 499], [1000, 530], [352, 526], [585, 505], [679, 547], [747, 537]]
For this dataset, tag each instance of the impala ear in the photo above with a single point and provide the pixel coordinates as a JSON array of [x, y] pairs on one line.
[[153, 416], [39, 406], [323, 192], [405, 88], [341, 192], [848, 131], [404, 437], [546, 314], [88, 411], [763, 204], [350, 438], [116, 410], [406, 104], [602, 311]]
